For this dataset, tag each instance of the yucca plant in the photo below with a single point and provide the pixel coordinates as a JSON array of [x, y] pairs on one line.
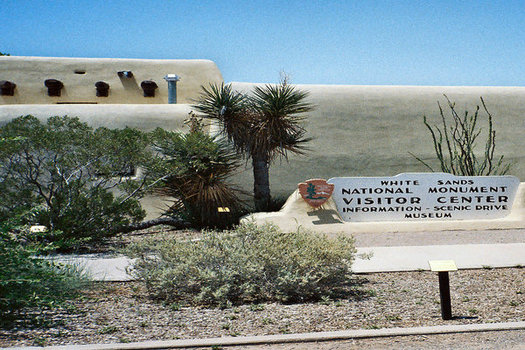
[[455, 144], [230, 108], [198, 166], [262, 126]]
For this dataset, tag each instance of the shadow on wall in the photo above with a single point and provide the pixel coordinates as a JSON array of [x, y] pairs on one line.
[[325, 217], [131, 85]]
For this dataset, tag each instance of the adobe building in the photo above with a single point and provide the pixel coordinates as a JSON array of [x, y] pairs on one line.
[[357, 130], [104, 91]]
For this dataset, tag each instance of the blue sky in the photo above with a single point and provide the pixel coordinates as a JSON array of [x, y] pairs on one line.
[[362, 42]]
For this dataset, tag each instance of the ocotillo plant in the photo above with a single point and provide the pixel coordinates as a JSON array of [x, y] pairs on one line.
[[455, 144]]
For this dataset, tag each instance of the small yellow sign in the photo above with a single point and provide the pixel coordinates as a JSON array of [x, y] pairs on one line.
[[38, 229], [223, 209], [442, 265]]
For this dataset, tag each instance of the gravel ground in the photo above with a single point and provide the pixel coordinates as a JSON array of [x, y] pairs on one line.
[[121, 312]]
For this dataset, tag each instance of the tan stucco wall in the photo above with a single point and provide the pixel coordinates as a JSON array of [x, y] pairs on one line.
[[370, 130], [144, 117], [29, 74]]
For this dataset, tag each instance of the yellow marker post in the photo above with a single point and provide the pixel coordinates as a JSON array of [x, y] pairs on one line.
[[442, 267]]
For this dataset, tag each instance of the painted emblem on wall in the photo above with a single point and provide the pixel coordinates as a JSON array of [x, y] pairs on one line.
[[316, 191]]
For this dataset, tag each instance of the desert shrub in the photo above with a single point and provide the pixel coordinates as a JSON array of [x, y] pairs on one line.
[[28, 282], [455, 144], [68, 170], [196, 168], [265, 125], [248, 264]]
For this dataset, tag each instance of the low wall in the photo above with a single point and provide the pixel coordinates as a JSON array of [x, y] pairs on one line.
[[296, 213], [370, 130], [79, 76]]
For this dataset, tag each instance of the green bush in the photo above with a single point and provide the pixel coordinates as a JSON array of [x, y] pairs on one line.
[[196, 168], [28, 282], [68, 170], [246, 265]]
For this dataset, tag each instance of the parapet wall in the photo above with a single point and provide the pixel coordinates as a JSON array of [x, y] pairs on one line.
[[79, 75]]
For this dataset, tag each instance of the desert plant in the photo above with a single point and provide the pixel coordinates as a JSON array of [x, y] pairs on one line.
[[455, 144], [196, 168], [262, 126], [28, 282], [249, 264], [67, 169]]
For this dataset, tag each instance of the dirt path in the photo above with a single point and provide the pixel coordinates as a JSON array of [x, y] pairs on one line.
[[439, 238]]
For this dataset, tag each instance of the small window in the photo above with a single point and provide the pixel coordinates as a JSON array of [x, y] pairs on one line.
[[102, 89], [149, 87]]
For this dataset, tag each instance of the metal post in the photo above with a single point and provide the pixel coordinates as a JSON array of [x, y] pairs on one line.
[[444, 293], [172, 80]]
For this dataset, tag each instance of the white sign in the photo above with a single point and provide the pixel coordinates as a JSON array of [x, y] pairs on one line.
[[424, 196]]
